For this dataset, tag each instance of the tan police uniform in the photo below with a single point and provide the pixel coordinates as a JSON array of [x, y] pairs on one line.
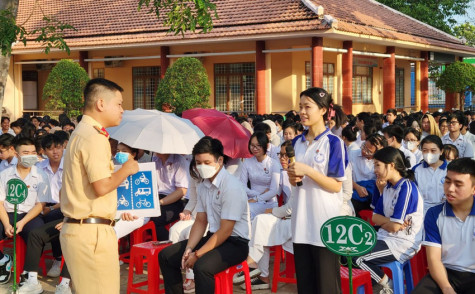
[[90, 250]]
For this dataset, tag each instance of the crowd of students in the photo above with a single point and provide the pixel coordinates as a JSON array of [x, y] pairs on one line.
[[404, 167]]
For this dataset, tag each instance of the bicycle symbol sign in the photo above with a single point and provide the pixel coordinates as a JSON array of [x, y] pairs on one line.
[[17, 191]]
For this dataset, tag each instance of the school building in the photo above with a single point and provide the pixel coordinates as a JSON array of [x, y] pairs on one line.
[[259, 56]]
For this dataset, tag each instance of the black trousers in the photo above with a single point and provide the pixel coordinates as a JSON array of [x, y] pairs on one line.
[[372, 261], [462, 282], [233, 251], [169, 214], [36, 242], [31, 225], [317, 269], [359, 205], [55, 245]]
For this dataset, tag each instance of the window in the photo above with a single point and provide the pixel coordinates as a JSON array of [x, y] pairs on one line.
[[362, 84], [98, 73], [328, 76], [399, 87], [234, 85], [145, 82], [436, 96]]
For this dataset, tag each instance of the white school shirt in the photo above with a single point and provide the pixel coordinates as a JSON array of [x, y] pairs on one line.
[[402, 202], [409, 156], [455, 237], [172, 174], [224, 198], [470, 138], [353, 146], [4, 164], [55, 179], [284, 186], [431, 183], [312, 205], [418, 155], [273, 151], [262, 175], [38, 188], [464, 147], [363, 168]]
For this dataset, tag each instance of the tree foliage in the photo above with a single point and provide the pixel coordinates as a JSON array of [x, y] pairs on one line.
[[184, 86], [467, 32], [457, 77], [439, 14], [64, 88], [51, 35], [183, 15]]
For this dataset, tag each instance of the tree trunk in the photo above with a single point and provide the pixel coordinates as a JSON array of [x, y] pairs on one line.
[[5, 60], [462, 100]]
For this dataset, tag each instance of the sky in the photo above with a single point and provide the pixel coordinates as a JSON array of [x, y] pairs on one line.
[[469, 16]]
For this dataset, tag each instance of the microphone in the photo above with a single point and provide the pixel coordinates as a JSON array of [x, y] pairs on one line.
[[291, 155]]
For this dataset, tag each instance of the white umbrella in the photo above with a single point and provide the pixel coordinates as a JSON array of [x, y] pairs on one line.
[[156, 131]]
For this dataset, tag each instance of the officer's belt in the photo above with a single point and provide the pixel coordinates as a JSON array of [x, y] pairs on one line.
[[90, 220]]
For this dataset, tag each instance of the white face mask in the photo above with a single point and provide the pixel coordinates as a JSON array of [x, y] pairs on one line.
[[431, 158], [206, 171], [411, 145], [28, 160]]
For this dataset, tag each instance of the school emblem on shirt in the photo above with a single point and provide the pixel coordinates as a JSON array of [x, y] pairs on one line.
[[319, 158], [266, 170]]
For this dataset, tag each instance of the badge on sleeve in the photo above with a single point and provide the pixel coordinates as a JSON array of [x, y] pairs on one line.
[[102, 131]]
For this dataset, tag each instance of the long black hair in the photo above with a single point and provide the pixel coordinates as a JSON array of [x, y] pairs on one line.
[[389, 155], [321, 97], [206, 145]]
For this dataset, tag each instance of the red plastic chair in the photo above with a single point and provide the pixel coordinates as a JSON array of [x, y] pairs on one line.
[[288, 274], [367, 215], [20, 253], [150, 251], [361, 278], [144, 233], [223, 281], [419, 266]]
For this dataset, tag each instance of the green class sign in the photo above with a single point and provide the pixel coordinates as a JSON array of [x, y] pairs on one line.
[[348, 236], [17, 191]]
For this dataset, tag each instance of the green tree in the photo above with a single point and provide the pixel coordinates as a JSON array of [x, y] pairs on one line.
[[457, 77], [466, 31], [184, 86], [439, 14], [64, 88]]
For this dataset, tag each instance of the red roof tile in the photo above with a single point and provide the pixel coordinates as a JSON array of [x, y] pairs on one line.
[[116, 22]]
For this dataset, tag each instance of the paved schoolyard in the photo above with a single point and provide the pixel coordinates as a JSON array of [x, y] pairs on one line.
[[49, 283]]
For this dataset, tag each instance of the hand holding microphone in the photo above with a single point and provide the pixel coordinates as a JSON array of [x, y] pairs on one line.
[[293, 177]]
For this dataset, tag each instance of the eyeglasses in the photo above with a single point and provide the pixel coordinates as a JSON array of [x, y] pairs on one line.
[[454, 122], [255, 146], [367, 151], [282, 155]]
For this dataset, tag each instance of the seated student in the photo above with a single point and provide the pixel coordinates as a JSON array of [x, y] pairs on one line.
[[348, 135], [7, 152], [271, 149], [394, 135], [172, 178], [53, 168], [430, 173], [412, 139], [222, 203], [28, 217], [450, 152], [290, 130], [449, 234], [362, 164], [263, 173], [399, 213], [456, 122], [391, 115]]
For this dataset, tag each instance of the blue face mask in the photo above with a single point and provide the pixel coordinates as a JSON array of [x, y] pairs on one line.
[[121, 157]]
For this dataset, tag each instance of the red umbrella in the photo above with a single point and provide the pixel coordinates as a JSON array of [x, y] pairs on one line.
[[218, 125]]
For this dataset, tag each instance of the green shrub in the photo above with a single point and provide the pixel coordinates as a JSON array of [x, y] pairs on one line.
[[64, 88], [184, 86], [457, 77]]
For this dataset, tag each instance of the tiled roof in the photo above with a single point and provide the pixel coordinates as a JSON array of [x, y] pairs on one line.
[[117, 22]]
